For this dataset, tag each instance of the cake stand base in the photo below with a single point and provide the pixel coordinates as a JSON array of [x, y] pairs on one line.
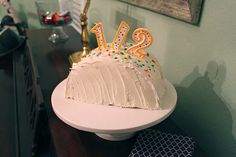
[[116, 137]]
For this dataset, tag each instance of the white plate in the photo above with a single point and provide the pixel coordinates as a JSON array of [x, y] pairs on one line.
[[109, 120]]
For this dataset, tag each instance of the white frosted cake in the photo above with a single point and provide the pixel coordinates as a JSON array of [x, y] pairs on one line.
[[111, 77], [118, 74]]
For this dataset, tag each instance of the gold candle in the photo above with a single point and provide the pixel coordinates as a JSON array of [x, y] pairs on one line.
[[76, 57]]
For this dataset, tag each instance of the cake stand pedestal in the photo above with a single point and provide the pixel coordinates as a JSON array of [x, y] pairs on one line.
[[110, 122]]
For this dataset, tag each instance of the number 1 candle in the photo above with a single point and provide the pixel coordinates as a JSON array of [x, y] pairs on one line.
[[98, 31]]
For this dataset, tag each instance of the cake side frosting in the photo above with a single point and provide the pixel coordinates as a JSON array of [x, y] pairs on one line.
[[114, 77]]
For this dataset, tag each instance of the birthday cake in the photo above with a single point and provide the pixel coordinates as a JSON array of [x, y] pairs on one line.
[[118, 74]]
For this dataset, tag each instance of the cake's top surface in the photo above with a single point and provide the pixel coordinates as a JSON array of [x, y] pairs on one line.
[[146, 65]]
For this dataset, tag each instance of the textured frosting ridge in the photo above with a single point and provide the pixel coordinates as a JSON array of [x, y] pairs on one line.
[[115, 77]]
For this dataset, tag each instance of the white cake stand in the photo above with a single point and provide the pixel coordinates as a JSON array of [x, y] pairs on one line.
[[110, 122]]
